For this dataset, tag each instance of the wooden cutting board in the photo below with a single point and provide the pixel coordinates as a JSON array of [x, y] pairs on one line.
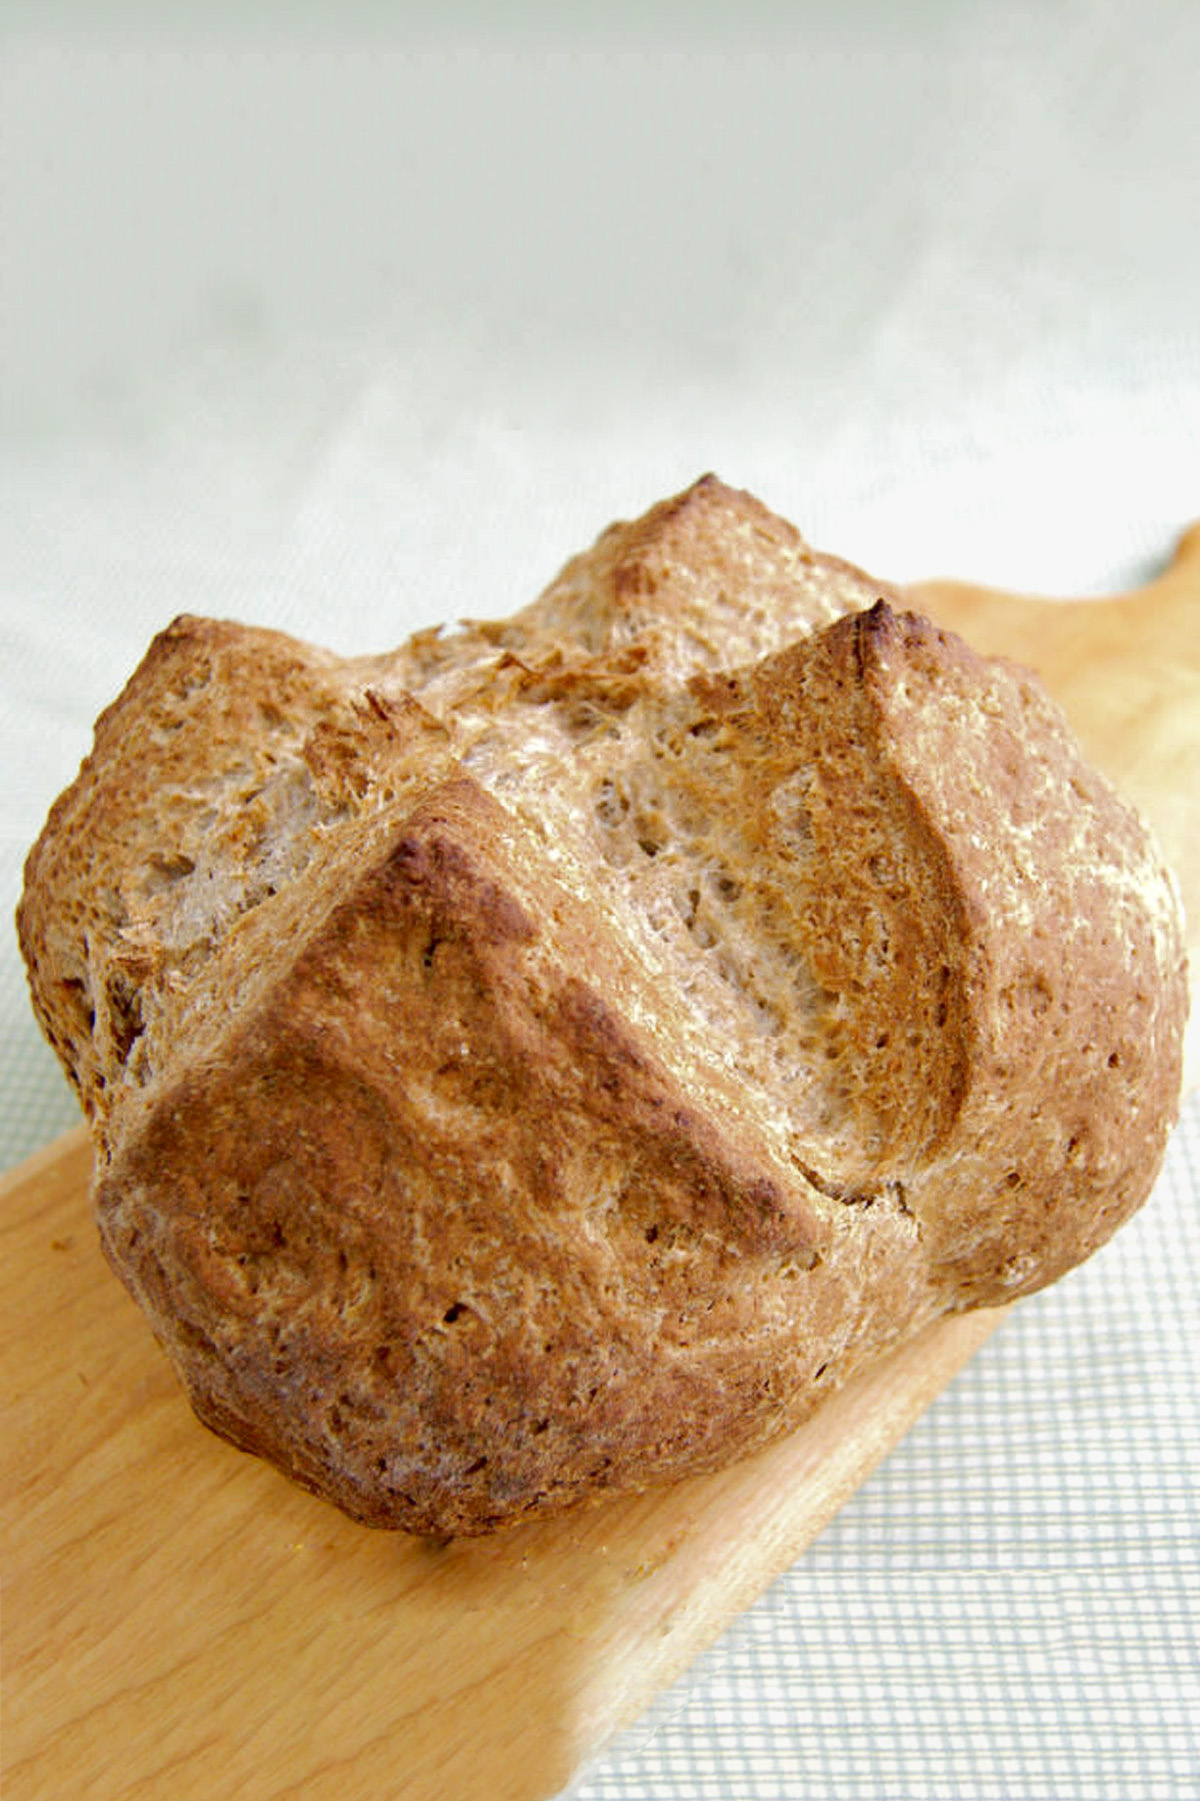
[[180, 1622]]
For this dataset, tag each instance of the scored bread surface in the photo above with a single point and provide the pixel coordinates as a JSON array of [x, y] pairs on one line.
[[548, 1058]]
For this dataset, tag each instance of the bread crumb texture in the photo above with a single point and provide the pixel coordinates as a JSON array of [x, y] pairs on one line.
[[548, 1058]]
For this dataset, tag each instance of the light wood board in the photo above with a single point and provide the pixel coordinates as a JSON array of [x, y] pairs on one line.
[[179, 1621]]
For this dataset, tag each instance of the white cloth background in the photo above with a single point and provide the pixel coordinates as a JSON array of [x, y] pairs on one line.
[[347, 320]]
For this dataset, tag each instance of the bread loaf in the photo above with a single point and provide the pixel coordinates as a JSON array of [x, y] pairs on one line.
[[548, 1058]]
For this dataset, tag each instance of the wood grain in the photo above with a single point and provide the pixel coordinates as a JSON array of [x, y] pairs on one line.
[[179, 1621]]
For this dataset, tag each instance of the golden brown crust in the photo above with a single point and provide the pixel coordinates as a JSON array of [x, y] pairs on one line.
[[459, 1229], [548, 1059]]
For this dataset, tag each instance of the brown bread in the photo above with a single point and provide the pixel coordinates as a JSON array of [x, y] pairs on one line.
[[549, 1058]]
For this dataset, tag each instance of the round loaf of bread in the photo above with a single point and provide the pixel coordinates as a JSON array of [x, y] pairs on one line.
[[547, 1059]]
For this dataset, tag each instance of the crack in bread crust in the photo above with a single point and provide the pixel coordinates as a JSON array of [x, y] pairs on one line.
[[548, 1058]]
